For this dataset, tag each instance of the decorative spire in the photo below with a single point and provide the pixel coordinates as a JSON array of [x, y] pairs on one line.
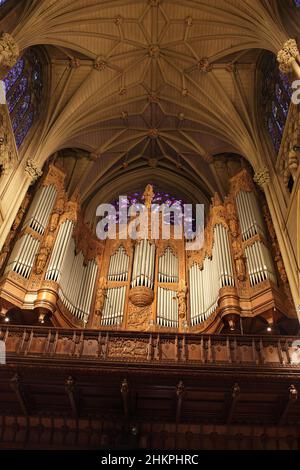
[[148, 195]]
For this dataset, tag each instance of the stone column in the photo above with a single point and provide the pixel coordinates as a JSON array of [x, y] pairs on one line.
[[263, 179]]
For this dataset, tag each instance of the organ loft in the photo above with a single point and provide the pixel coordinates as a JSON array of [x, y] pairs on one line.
[[150, 341]]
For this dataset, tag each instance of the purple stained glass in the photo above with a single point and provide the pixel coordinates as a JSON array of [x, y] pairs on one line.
[[276, 97], [14, 96], [274, 134], [22, 109], [2, 1], [14, 74], [24, 87], [26, 124], [160, 198]]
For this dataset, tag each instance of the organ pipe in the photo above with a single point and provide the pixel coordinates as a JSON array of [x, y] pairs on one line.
[[206, 283], [114, 305], [260, 263], [250, 216], [167, 308], [26, 248], [58, 255], [77, 283], [143, 264], [118, 266], [23, 255], [40, 209], [168, 267]]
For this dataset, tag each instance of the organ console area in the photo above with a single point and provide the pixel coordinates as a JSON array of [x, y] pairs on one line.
[[56, 271]]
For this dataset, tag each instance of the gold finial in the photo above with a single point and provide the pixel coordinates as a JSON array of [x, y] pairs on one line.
[[148, 195]]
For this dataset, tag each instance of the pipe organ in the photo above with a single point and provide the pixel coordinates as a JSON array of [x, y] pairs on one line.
[[59, 268], [206, 283], [114, 305], [58, 256], [27, 246], [40, 210], [250, 216], [253, 229], [118, 266], [23, 255], [168, 267], [77, 282], [143, 264], [167, 308], [260, 264]]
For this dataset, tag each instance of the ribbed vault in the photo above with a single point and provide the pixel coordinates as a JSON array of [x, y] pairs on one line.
[[162, 84]]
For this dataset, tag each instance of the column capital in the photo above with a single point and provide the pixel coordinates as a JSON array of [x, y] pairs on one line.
[[287, 56], [262, 177], [33, 170], [9, 53]]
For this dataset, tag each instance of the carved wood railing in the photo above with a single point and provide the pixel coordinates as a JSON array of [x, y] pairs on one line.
[[96, 347]]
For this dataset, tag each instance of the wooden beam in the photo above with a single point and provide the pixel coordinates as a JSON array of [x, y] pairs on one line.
[[70, 389], [292, 399], [125, 396], [17, 387], [234, 398], [180, 392]]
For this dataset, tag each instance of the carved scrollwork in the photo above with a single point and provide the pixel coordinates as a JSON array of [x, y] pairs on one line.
[[182, 298], [242, 181], [54, 177], [138, 317], [101, 296], [129, 348]]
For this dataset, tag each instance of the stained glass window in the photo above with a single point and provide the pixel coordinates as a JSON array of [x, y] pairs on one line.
[[160, 198], [276, 97], [297, 3], [24, 88], [2, 1]]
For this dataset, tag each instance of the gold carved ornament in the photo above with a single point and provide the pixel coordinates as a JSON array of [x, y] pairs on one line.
[[148, 195], [100, 296], [182, 299], [217, 216], [242, 181], [288, 56], [236, 242], [9, 53]]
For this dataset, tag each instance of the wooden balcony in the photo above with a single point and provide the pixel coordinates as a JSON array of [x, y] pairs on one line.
[[171, 351], [59, 385]]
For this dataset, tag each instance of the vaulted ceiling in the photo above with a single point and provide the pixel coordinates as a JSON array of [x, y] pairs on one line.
[[151, 86]]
